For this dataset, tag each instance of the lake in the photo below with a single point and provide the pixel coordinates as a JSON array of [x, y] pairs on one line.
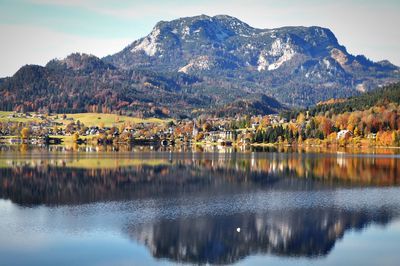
[[213, 205]]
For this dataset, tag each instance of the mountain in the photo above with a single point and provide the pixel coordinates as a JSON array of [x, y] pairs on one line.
[[193, 65], [85, 83], [296, 65]]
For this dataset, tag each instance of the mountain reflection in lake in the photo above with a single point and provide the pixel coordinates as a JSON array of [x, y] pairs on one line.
[[161, 207]]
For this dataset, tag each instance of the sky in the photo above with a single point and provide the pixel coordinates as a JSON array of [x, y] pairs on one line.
[[36, 31]]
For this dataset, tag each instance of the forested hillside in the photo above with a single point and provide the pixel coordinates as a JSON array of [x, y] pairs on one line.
[[379, 96]]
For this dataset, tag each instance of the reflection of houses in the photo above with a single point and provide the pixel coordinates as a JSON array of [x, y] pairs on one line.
[[344, 134], [341, 159], [245, 140]]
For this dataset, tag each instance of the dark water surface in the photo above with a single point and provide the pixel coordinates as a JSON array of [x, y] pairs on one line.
[[148, 207]]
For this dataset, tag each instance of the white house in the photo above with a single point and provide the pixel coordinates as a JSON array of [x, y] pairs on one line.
[[344, 134]]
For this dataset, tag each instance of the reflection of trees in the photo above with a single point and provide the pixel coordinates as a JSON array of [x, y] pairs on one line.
[[200, 240], [58, 185], [48, 181]]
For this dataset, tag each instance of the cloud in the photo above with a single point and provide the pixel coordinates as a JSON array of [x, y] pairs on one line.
[[74, 3], [37, 45]]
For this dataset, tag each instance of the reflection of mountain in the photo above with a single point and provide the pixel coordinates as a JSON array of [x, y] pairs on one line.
[[308, 233], [186, 207], [46, 182]]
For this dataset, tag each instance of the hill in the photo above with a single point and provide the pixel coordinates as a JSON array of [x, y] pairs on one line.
[[380, 96]]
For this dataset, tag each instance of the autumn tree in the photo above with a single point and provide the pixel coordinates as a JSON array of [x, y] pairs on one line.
[[199, 136], [206, 127], [25, 133], [301, 118], [325, 125], [75, 137], [357, 132]]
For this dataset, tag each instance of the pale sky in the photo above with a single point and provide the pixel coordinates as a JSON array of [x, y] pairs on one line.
[[36, 31]]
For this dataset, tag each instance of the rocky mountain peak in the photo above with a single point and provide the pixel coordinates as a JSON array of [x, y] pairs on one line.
[[201, 29], [175, 44]]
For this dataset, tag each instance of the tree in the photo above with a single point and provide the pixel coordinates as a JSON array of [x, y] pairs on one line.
[[265, 121], [301, 118], [259, 136], [357, 132], [206, 127], [326, 126], [75, 137], [352, 121], [395, 138], [55, 130], [25, 133], [199, 136]]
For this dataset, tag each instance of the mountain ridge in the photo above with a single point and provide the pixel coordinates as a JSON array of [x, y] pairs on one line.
[[201, 63]]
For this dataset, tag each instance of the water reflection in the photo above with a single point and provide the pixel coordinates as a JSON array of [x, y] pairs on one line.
[[298, 232], [186, 206], [81, 179]]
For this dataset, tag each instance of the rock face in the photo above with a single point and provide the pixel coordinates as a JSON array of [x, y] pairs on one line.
[[199, 63], [296, 65]]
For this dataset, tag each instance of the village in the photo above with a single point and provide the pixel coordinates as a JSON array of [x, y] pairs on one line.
[[36, 128]]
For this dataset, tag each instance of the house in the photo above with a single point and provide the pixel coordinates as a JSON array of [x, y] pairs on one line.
[[344, 134], [371, 136], [283, 121], [219, 136], [255, 125]]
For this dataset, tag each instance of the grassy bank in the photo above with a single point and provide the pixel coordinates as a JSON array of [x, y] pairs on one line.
[[89, 119]]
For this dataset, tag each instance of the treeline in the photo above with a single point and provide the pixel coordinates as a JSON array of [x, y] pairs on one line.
[[287, 134], [377, 126], [378, 97], [374, 116]]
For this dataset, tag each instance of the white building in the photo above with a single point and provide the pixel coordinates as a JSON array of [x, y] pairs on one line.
[[343, 134]]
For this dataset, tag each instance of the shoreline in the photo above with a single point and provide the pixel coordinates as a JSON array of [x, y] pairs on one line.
[[68, 142]]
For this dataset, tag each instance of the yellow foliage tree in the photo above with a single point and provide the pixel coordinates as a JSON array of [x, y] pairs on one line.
[[199, 136], [301, 118], [75, 137], [357, 132], [25, 133], [206, 127]]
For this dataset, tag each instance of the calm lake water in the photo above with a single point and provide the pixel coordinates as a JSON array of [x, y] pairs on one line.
[[145, 206]]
